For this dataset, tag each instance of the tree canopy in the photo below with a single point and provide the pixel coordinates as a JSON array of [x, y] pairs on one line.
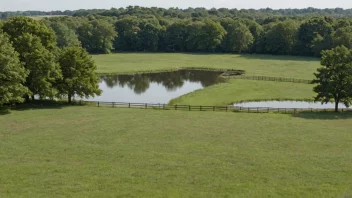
[[334, 79], [12, 74]]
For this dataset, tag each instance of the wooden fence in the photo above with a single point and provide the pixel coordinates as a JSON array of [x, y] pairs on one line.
[[278, 79], [228, 108]]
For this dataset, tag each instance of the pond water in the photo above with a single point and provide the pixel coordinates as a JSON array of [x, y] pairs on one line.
[[289, 104], [156, 87]]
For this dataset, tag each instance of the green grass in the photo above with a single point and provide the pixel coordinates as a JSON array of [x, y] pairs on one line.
[[237, 90], [264, 65], [106, 152]]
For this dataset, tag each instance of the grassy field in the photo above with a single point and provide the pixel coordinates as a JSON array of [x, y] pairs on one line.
[[265, 65], [105, 152], [237, 90]]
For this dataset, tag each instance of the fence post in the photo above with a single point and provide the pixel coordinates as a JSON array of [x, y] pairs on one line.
[[146, 106], [248, 109], [98, 104], [213, 108], [257, 109], [129, 105], [226, 108], [294, 111], [200, 108], [113, 104], [189, 107], [268, 109]]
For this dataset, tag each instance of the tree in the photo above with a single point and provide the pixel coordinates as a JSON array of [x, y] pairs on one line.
[[128, 31], [78, 74], [238, 37], [149, 37], [35, 44], [343, 36], [211, 35], [335, 78], [308, 32], [97, 36], [281, 38], [17, 26], [12, 74], [64, 35], [41, 64]]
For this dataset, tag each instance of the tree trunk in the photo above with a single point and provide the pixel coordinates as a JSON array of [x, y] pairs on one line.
[[69, 98], [27, 98], [337, 106]]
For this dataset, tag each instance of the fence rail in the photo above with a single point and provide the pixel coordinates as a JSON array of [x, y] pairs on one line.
[[278, 79], [228, 108]]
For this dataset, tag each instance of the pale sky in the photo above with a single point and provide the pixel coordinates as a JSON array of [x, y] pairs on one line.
[[47, 5]]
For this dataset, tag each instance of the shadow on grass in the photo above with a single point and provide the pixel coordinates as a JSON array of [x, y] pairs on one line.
[[278, 57], [4, 111], [324, 115], [39, 104]]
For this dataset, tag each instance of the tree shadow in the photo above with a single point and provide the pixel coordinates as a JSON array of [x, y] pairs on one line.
[[39, 105], [324, 115], [278, 57], [4, 111]]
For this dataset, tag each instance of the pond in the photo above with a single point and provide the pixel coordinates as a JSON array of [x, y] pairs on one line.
[[289, 104], [155, 87]]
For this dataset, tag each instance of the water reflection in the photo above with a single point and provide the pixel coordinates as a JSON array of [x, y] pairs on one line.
[[289, 104], [155, 88]]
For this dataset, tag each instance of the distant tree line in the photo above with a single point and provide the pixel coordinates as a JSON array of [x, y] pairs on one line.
[[200, 30], [5, 15]]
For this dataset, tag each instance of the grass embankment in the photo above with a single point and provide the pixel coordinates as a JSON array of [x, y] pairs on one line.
[[254, 65], [105, 152], [237, 90]]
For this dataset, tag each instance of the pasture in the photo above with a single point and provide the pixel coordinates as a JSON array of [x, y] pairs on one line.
[[254, 65], [82, 151]]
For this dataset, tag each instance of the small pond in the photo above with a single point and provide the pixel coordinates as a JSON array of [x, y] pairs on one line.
[[154, 87], [289, 104]]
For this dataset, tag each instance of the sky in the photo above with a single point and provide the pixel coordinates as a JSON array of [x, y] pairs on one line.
[[48, 5]]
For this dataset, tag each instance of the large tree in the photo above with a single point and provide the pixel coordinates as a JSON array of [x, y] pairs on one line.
[[64, 35], [78, 74], [97, 36], [334, 79], [12, 74], [210, 36], [36, 44], [309, 30], [343, 36], [281, 38], [238, 37]]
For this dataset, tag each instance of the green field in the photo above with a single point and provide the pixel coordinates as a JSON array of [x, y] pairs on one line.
[[234, 90], [254, 65], [106, 152], [85, 151], [237, 90]]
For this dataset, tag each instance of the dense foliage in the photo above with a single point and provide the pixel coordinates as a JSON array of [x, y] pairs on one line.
[[304, 32], [334, 79], [12, 74], [31, 63]]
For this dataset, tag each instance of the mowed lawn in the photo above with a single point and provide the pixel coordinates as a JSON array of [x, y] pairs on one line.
[[237, 90], [257, 65], [106, 152]]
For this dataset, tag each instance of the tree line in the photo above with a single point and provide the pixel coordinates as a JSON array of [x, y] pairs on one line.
[[32, 65], [158, 30]]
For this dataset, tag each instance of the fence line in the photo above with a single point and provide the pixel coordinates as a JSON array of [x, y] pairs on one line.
[[268, 78], [228, 108]]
